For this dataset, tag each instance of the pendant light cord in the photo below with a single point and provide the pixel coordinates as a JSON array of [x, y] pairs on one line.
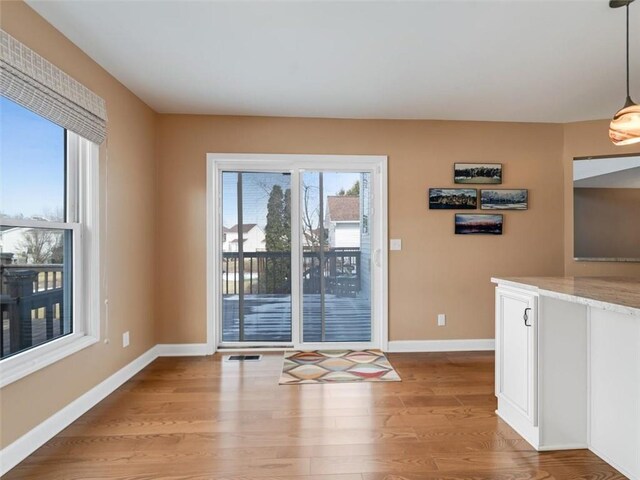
[[628, 95]]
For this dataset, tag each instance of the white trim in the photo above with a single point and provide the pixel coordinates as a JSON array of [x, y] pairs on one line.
[[376, 164], [225, 350], [589, 382], [20, 449], [383, 246], [182, 349], [22, 364], [297, 288], [24, 446], [519, 421], [561, 446], [255, 344], [89, 214], [17, 451], [306, 346], [84, 213], [333, 163], [213, 245], [611, 462], [485, 344], [31, 223]]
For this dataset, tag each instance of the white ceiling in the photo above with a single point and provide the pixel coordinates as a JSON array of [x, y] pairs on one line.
[[516, 60], [622, 179], [611, 172]]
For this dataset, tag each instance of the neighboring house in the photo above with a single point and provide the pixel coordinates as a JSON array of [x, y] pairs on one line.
[[252, 236], [342, 221], [365, 237], [12, 242], [10, 238], [17, 245]]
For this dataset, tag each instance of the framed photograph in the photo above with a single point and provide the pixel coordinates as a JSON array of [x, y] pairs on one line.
[[480, 173], [504, 199], [478, 224], [453, 198]]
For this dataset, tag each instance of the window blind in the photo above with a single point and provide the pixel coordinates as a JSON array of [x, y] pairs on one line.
[[31, 81]]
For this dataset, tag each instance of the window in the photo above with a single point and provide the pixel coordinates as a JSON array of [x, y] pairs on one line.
[[48, 242]]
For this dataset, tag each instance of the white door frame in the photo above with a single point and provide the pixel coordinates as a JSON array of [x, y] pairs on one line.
[[376, 164]]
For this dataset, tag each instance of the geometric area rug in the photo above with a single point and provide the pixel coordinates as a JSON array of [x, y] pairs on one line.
[[336, 366]]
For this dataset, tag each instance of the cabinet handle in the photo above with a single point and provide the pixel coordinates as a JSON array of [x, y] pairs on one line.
[[526, 317]]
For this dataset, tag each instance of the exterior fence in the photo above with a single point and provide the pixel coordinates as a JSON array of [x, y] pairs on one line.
[[270, 272], [25, 289]]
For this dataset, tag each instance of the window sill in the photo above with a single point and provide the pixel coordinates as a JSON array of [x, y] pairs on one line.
[[23, 364]]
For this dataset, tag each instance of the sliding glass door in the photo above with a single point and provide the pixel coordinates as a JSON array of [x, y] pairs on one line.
[[256, 257], [298, 256], [336, 254]]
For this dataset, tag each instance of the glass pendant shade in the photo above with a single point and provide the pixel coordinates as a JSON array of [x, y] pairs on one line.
[[624, 128], [625, 125]]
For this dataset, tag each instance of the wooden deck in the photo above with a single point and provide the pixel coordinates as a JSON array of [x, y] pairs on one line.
[[267, 318]]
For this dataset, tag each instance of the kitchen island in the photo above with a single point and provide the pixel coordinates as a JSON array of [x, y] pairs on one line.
[[568, 364]]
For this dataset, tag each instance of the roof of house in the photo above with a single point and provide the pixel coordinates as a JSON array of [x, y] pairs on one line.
[[343, 208], [245, 228]]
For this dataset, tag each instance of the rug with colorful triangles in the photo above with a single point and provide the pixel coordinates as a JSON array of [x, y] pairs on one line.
[[336, 366]]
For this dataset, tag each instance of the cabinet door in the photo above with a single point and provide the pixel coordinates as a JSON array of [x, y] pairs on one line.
[[516, 357]]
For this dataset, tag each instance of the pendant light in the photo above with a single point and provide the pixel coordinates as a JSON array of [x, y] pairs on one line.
[[625, 125]]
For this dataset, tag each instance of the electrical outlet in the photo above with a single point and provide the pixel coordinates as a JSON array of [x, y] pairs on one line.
[[395, 244], [442, 319], [125, 339]]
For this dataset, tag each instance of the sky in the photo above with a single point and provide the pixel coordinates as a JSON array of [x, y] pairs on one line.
[[32, 162], [256, 188], [32, 168]]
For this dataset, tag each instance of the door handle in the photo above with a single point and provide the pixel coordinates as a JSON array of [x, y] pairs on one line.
[[377, 258], [526, 317]]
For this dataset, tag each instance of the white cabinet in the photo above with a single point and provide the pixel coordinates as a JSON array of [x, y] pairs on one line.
[[516, 354], [568, 369]]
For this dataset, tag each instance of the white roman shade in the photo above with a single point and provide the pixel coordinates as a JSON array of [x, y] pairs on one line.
[[33, 82]]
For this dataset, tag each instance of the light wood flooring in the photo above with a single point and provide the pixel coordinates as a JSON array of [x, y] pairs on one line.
[[203, 418]]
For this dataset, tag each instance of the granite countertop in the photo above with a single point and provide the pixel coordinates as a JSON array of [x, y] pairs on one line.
[[610, 293]]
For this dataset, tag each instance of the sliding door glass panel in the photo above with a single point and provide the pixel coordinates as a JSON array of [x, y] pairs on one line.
[[256, 257], [336, 284]]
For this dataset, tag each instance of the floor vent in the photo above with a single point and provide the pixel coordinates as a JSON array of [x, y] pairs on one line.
[[243, 358]]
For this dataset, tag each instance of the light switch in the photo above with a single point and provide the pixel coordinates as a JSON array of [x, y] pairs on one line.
[[395, 244]]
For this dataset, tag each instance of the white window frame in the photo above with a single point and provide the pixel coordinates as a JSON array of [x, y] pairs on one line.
[[83, 202], [376, 164]]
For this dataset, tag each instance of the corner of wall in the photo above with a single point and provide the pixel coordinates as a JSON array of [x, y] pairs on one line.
[[585, 139]]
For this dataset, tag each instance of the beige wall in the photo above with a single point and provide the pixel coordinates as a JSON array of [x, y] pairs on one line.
[[127, 239], [584, 139], [607, 222], [436, 271]]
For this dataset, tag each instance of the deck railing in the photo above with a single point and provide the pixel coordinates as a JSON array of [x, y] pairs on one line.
[[270, 272], [25, 289]]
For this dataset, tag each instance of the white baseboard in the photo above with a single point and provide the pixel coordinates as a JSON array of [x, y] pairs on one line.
[[182, 349], [441, 345], [630, 475], [17, 451], [563, 446]]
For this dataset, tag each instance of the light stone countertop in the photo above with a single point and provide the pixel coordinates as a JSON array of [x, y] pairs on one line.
[[617, 294]]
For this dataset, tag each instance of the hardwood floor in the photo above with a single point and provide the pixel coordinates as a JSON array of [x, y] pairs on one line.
[[203, 418]]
